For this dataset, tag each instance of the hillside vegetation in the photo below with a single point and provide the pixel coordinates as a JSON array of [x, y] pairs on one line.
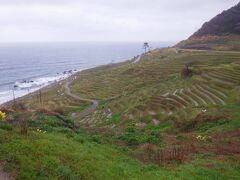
[[228, 22], [220, 33], [152, 120], [172, 113]]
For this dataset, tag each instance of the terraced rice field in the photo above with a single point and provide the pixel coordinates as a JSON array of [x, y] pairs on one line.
[[202, 94], [156, 88], [151, 88], [52, 98]]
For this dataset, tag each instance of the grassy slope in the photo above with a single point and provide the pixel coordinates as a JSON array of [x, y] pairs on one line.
[[220, 43], [138, 90], [54, 155]]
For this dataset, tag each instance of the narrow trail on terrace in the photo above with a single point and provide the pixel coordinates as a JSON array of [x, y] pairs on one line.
[[94, 103], [87, 111]]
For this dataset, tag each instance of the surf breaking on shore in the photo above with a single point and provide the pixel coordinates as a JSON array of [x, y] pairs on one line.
[[24, 87]]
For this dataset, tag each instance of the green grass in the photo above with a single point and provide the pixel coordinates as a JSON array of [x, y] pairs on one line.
[[55, 156], [221, 43], [135, 136]]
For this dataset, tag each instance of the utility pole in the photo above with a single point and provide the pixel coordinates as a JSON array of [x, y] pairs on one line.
[[40, 98], [14, 98]]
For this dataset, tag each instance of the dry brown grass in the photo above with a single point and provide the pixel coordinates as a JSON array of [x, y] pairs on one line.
[[149, 153], [201, 118]]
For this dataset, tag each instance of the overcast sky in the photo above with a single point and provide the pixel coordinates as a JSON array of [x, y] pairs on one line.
[[105, 20]]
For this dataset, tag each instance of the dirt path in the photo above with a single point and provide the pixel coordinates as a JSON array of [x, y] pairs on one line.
[[94, 103], [87, 111], [138, 59]]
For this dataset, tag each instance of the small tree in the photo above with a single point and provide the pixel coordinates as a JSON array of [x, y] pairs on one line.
[[186, 71], [146, 46]]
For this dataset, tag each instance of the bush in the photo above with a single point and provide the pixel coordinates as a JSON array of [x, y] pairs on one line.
[[186, 72], [134, 136]]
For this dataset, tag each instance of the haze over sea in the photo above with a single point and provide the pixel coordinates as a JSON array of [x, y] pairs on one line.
[[28, 66]]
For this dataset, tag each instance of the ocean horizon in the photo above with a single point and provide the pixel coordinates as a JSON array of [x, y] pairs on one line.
[[26, 67]]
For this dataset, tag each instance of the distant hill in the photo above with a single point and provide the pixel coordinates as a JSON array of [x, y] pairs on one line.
[[220, 33], [224, 23]]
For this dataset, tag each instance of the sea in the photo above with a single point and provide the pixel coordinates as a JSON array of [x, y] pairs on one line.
[[27, 67]]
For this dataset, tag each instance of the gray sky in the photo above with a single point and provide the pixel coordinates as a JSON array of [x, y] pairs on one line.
[[105, 20]]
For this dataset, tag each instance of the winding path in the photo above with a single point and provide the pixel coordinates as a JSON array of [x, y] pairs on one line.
[[95, 103], [88, 110]]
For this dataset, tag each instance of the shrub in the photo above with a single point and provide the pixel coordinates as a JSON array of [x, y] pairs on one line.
[[186, 72], [135, 136]]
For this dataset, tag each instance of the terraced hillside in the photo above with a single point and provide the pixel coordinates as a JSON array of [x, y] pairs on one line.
[[225, 42], [149, 90], [150, 109], [154, 88]]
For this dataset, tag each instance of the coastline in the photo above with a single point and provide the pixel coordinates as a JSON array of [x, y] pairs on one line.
[[23, 88], [42, 62], [59, 82]]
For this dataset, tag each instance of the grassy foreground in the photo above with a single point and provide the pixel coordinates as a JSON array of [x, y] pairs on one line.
[[55, 155]]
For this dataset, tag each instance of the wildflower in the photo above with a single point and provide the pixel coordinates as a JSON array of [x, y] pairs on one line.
[[41, 131], [199, 137], [204, 110], [202, 138], [2, 115]]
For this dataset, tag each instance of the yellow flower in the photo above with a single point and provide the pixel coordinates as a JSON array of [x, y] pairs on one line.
[[199, 137], [202, 138], [41, 131], [2, 115]]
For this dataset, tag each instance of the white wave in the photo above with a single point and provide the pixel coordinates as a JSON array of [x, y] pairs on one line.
[[23, 88], [8, 95]]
